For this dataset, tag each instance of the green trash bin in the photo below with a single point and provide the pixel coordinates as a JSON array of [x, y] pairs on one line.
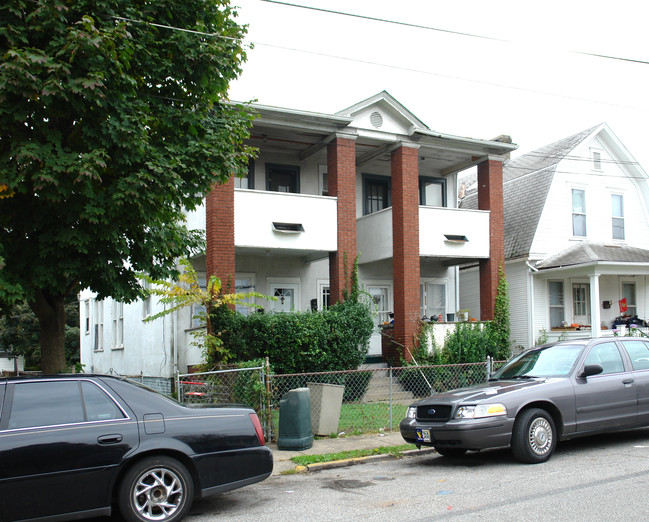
[[295, 420]]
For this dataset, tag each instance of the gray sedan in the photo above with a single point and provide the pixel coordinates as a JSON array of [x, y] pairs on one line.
[[546, 394]]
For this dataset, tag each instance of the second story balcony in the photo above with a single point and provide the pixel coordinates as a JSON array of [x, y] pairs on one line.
[[447, 233], [301, 223]]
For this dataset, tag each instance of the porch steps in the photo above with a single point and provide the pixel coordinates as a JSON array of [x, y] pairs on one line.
[[378, 389]]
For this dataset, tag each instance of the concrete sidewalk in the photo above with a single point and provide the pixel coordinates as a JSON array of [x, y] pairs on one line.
[[283, 461]]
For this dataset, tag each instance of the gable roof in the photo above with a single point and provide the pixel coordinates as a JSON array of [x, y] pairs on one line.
[[360, 113], [526, 183], [588, 253]]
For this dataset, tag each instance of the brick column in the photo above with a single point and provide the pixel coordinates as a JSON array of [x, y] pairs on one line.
[[219, 233], [341, 178], [405, 231], [490, 197]]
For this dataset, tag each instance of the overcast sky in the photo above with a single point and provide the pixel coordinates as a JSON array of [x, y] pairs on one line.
[[475, 68]]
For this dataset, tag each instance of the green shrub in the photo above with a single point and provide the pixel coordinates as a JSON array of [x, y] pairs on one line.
[[299, 342]]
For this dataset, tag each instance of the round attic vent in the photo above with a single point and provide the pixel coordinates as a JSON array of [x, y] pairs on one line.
[[376, 119]]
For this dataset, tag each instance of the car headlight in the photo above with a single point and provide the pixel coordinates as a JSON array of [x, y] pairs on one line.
[[480, 411], [411, 413]]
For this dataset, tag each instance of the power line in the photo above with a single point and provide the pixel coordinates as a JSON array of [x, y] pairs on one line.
[[378, 64], [448, 31], [461, 78]]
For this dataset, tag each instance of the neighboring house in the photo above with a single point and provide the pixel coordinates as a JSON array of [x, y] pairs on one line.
[[11, 363], [576, 238], [371, 180]]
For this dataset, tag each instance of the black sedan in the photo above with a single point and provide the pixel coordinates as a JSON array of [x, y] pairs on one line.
[[74, 446], [545, 394]]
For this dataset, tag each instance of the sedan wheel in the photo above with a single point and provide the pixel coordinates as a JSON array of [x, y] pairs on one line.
[[534, 436], [156, 489]]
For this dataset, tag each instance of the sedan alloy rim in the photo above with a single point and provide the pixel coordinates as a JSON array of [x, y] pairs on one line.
[[158, 494], [540, 436]]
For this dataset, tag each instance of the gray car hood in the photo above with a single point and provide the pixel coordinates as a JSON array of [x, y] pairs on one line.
[[478, 393]]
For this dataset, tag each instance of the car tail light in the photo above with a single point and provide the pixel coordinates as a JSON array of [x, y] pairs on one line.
[[257, 425]]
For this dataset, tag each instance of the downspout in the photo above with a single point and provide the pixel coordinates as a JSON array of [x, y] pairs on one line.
[[457, 290], [530, 300]]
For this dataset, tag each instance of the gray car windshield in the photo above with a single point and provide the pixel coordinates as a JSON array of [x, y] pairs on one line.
[[553, 361]]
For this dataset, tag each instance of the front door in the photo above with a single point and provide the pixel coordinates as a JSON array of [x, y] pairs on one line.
[[581, 303], [286, 295]]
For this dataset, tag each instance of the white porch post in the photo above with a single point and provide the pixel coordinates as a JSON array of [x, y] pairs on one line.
[[595, 319]]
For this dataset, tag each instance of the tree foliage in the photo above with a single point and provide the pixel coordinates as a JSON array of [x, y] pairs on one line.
[[113, 119], [186, 291]]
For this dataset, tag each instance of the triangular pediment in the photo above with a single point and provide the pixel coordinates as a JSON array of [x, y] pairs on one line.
[[383, 113]]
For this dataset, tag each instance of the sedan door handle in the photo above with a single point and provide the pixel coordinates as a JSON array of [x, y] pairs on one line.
[[628, 381], [109, 439]]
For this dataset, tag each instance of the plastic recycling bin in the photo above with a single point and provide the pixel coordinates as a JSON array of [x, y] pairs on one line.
[[295, 420]]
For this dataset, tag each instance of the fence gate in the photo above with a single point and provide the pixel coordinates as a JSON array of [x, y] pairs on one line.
[[235, 386]]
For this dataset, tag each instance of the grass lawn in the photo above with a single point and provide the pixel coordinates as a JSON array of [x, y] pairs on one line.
[[358, 418]]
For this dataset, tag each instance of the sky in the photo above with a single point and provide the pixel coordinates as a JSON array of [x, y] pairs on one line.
[[472, 68]]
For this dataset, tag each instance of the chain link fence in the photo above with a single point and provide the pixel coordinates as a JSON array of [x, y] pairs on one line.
[[376, 399], [370, 399]]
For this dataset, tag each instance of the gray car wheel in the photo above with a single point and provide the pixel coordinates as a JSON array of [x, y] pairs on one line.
[[156, 489], [534, 437]]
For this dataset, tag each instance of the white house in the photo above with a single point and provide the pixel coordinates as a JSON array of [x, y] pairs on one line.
[[371, 180], [576, 238]]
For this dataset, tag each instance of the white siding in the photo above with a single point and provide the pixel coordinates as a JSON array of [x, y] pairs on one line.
[[517, 274]]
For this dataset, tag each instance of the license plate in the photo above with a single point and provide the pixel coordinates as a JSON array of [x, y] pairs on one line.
[[423, 435]]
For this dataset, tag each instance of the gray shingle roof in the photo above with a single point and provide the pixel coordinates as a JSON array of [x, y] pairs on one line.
[[526, 183], [585, 253]]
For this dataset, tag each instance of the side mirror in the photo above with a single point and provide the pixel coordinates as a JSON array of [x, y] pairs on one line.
[[590, 369]]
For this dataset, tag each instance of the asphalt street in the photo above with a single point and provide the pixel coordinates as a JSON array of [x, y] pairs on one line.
[[598, 478]]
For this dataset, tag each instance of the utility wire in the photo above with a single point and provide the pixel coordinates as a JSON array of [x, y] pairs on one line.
[[448, 31]]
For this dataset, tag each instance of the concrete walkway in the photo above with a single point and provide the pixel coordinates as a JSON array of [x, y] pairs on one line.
[[284, 464]]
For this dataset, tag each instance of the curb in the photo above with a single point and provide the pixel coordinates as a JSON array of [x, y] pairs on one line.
[[319, 466]]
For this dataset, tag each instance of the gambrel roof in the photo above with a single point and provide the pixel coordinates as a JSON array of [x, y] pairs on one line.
[[526, 183]]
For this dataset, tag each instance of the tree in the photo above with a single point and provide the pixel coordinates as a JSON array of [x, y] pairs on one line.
[[114, 119], [19, 334]]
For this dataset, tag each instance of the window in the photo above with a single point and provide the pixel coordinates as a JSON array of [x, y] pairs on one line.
[[99, 326], [324, 180], [628, 293], [578, 213], [118, 324], [376, 193], [99, 406], [244, 284], [639, 353], [86, 313], [379, 295], [324, 295], [197, 319], [597, 160], [557, 316], [617, 211], [46, 404], [608, 356], [580, 299], [282, 178], [61, 402], [433, 300], [248, 181], [432, 192]]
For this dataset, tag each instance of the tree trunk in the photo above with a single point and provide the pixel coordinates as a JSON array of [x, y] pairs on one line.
[[50, 311]]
